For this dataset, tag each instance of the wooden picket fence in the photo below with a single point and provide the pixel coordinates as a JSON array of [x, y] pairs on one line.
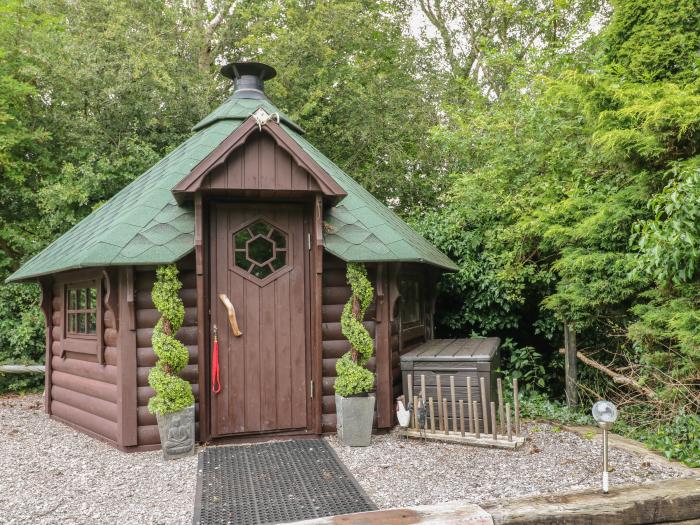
[[466, 427]]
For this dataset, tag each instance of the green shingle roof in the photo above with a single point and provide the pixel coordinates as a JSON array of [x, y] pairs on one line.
[[362, 229], [144, 224]]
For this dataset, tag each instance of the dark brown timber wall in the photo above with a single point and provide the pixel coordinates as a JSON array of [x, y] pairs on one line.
[[80, 390], [396, 379], [260, 165], [336, 293], [146, 318]]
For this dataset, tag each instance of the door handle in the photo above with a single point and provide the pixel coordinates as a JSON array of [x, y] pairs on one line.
[[231, 314]]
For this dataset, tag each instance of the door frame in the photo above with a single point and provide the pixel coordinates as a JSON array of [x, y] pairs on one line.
[[312, 227]]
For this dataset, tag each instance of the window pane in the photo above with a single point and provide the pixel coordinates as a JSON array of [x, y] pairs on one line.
[[241, 261], [92, 298], [279, 260], [72, 299], [81, 323], [92, 323], [81, 298], [260, 250], [260, 228], [241, 238], [410, 302], [72, 324], [279, 239]]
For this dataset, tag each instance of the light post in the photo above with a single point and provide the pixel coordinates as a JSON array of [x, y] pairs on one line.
[[605, 414]]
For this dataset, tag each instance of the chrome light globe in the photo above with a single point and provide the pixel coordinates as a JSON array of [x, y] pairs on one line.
[[605, 413]]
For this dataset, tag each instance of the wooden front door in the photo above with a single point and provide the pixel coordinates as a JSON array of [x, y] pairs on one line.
[[259, 260]]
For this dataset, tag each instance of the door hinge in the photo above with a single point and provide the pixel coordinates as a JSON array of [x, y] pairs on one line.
[[308, 240], [312, 389]]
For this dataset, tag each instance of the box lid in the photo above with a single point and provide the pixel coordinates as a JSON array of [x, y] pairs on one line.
[[475, 349]]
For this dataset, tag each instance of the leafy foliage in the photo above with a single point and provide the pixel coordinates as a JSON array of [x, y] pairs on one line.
[[535, 405], [679, 440], [21, 335], [361, 90], [172, 392], [524, 364], [353, 378], [669, 242]]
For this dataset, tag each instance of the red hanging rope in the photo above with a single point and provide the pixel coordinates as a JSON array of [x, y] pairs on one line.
[[215, 379]]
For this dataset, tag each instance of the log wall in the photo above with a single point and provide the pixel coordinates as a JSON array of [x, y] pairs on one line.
[[146, 318], [86, 394], [83, 392], [336, 293]]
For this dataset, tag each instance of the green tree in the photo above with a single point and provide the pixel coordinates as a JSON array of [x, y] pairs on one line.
[[489, 41], [366, 94], [575, 200]]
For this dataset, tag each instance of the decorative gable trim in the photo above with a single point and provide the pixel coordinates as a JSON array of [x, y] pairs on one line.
[[251, 126]]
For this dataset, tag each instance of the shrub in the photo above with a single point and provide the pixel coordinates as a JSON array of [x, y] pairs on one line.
[[678, 439], [525, 364], [536, 405], [353, 378], [172, 392], [21, 335]]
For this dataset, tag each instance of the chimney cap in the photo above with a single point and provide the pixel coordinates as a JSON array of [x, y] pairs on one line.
[[236, 70]]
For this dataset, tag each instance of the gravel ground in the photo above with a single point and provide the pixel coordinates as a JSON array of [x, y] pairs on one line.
[[51, 474], [396, 472]]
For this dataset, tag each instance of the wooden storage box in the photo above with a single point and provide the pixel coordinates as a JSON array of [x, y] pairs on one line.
[[460, 358]]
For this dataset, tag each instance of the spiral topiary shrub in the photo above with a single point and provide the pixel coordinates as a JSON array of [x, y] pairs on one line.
[[353, 378], [172, 392]]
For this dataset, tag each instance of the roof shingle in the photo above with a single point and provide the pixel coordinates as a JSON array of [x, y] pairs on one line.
[[144, 224]]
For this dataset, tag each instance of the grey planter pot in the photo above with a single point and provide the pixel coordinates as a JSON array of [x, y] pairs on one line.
[[354, 417], [177, 433]]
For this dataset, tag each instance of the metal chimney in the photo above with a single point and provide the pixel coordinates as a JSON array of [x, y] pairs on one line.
[[248, 78]]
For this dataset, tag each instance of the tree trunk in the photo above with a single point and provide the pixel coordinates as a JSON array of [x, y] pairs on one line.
[[570, 366]]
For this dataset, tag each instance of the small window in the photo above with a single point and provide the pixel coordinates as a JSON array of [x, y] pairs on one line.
[[81, 310], [260, 249], [410, 302]]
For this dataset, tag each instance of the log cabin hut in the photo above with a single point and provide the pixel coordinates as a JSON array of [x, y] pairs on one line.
[[253, 213]]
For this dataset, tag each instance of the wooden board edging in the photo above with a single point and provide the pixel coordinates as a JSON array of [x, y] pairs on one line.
[[666, 501], [451, 513], [670, 500]]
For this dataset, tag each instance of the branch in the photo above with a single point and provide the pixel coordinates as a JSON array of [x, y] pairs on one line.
[[437, 18], [616, 377], [209, 29], [11, 253], [21, 369]]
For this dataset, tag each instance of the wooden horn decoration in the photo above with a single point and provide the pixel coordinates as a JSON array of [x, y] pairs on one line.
[[231, 314]]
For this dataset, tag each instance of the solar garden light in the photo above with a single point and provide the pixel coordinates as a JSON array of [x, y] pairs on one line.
[[605, 414]]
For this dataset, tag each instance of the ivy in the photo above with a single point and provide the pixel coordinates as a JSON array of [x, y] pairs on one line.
[[353, 378], [172, 392]]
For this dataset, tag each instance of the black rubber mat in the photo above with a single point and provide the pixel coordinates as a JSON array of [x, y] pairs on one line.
[[275, 482]]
